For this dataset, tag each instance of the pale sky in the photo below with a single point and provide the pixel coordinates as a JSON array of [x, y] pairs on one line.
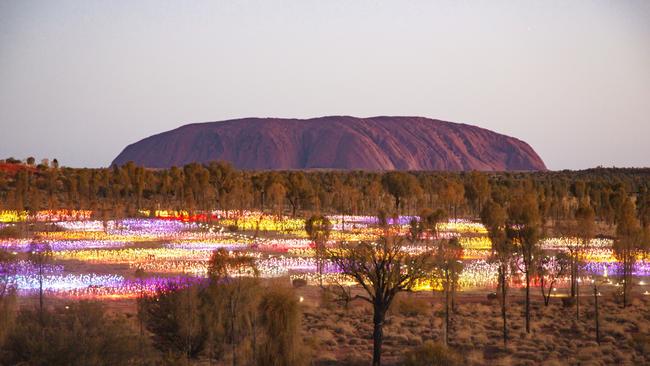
[[79, 80]]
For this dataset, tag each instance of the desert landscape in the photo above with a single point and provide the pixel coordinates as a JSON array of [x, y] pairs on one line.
[[324, 183], [441, 281]]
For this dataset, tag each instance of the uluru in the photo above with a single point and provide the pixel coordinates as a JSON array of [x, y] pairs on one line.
[[336, 142]]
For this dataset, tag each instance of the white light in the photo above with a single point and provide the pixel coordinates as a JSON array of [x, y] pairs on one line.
[[301, 299]]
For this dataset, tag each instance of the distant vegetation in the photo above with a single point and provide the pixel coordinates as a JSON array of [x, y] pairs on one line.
[[122, 191]]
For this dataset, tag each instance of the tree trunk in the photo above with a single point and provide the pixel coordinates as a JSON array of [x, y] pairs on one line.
[[233, 336], [447, 307], [626, 271], [577, 300], [378, 334], [573, 274], [596, 314], [527, 300], [503, 308], [319, 263], [40, 295], [543, 288]]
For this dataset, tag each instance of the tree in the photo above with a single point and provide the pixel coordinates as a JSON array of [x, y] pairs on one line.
[[400, 185], [430, 221], [297, 190], [318, 228], [172, 314], [584, 228], [427, 223], [140, 275], [40, 254], [448, 262], [276, 194], [549, 270], [477, 190], [414, 233], [453, 194], [596, 282], [628, 244], [494, 218], [7, 294], [523, 229], [382, 269], [235, 296]]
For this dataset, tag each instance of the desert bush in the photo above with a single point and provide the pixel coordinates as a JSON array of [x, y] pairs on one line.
[[356, 359], [568, 302], [76, 334], [280, 322], [412, 306], [8, 300], [327, 300], [641, 342], [173, 316], [431, 354], [299, 282]]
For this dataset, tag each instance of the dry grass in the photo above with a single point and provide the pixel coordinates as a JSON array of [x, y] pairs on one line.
[[556, 337]]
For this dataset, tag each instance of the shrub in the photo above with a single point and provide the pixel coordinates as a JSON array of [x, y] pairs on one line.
[[76, 334], [8, 302], [412, 306], [431, 354], [641, 342], [173, 316], [299, 282], [568, 302], [280, 324]]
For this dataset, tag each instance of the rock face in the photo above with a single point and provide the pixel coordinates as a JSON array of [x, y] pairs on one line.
[[337, 142]]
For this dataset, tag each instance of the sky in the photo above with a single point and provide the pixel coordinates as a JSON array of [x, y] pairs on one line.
[[80, 80]]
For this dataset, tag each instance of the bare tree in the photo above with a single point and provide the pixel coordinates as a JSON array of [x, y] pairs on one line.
[[449, 266], [382, 269], [40, 254], [595, 283], [549, 270]]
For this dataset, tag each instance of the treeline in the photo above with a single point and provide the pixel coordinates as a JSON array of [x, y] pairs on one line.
[[122, 191]]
